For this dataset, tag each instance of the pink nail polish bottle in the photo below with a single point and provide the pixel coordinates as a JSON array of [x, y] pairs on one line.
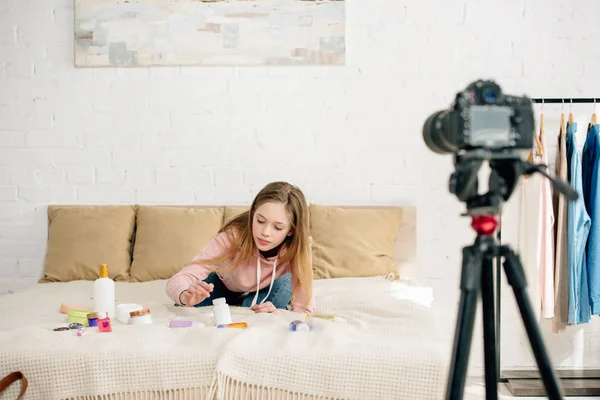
[[104, 322]]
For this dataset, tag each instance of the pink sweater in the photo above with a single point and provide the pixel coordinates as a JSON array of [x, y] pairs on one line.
[[241, 279]]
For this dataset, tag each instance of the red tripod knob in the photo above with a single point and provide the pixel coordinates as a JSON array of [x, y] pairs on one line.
[[485, 224]]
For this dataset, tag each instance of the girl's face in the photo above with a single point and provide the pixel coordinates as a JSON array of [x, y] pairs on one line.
[[270, 225]]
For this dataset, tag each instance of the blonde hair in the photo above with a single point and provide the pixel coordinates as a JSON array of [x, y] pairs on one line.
[[296, 247]]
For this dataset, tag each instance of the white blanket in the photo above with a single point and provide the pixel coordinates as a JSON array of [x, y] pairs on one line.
[[389, 348]]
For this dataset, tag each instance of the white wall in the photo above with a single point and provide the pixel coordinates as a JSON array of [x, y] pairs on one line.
[[349, 135]]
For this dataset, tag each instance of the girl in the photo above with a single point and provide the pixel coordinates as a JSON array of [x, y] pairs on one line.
[[261, 259]]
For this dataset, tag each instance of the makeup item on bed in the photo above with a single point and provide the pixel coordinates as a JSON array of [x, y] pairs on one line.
[[65, 307], [104, 324], [80, 331], [123, 312], [140, 317], [92, 319], [61, 328], [104, 292], [222, 312], [185, 324], [239, 325], [299, 326], [329, 317], [78, 315]]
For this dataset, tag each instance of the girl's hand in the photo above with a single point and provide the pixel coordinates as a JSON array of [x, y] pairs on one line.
[[266, 307], [196, 293]]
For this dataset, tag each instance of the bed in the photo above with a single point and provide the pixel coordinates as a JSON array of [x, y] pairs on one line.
[[388, 345]]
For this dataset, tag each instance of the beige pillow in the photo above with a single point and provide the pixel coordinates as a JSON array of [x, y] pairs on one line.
[[167, 238], [80, 238], [233, 211], [353, 241]]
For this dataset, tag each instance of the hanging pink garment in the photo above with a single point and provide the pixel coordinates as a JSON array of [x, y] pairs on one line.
[[536, 222]]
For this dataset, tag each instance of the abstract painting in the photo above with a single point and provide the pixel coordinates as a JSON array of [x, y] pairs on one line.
[[138, 33]]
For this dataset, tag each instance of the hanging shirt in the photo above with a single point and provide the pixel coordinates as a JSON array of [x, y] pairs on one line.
[[530, 225], [561, 297], [536, 238], [590, 160], [578, 226], [546, 249]]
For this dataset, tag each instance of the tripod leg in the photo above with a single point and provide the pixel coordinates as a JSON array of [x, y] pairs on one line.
[[489, 333], [469, 285], [516, 278]]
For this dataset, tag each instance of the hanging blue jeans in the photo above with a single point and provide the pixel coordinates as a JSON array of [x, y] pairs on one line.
[[590, 161], [578, 228]]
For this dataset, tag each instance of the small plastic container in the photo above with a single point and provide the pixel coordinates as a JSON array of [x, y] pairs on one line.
[[140, 317], [222, 312], [123, 311], [80, 316], [92, 319], [104, 324], [299, 326]]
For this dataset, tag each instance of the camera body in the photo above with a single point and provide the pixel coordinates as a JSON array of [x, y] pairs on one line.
[[481, 117]]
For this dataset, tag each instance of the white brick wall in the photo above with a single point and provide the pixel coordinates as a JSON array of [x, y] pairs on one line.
[[346, 135]]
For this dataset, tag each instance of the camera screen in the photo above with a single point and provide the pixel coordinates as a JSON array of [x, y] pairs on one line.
[[490, 126]]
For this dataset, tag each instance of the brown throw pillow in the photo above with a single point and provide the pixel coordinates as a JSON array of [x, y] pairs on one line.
[[233, 211], [80, 238], [353, 241], [167, 238]]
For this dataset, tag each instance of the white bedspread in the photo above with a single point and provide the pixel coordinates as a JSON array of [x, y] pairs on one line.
[[389, 348]]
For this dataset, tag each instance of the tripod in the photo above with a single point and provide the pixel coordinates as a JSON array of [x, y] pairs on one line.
[[477, 271]]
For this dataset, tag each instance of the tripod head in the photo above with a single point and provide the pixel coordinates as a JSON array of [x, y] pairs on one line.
[[506, 169]]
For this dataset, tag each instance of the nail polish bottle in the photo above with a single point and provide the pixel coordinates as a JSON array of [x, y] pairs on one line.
[[104, 322]]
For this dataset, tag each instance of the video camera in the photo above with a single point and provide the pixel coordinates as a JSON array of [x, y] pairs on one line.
[[481, 117], [484, 124]]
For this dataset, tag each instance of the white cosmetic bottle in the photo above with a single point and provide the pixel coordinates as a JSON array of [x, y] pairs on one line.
[[104, 293], [222, 312]]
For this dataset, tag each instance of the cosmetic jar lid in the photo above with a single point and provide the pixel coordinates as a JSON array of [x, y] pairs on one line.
[[139, 312], [93, 315]]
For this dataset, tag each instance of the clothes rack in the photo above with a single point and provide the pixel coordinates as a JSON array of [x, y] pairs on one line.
[[575, 382], [567, 100]]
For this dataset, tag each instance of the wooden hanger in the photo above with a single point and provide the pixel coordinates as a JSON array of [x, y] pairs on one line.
[[571, 119], [538, 139]]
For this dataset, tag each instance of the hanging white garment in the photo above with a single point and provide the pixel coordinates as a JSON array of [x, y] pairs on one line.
[[546, 266], [536, 221], [529, 238]]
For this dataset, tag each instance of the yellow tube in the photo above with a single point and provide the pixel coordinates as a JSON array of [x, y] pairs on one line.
[[240, 325], [329, 317]]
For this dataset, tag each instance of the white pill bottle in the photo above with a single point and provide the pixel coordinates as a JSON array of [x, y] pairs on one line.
[[222, 312]]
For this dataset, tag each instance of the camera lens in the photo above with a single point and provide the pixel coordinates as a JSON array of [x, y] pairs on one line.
[[489, 97], [433, 134]]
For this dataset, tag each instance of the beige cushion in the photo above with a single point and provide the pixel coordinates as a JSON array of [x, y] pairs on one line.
[[405, 248], [80, 238], [233, 211], [353, 241], [167, 238]]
